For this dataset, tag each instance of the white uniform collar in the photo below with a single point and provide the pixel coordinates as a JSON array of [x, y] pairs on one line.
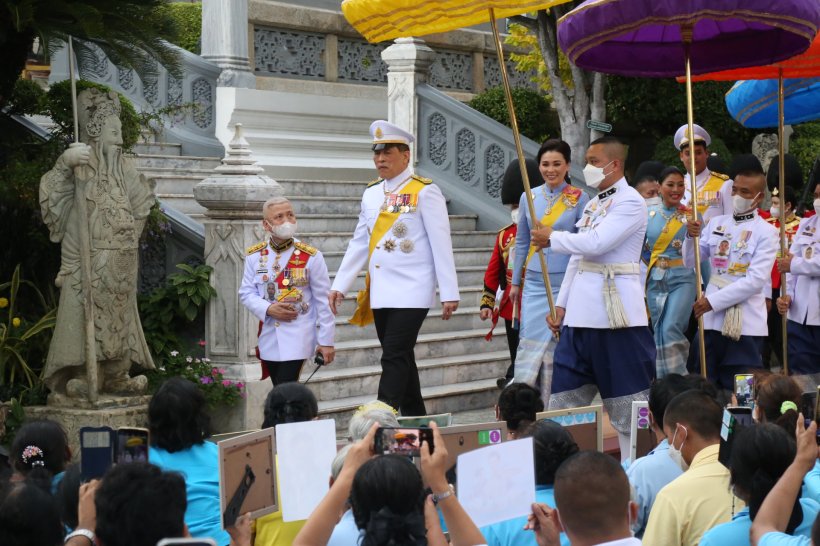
[[700, 179], [740, 218], [610, 191], [399, 180]]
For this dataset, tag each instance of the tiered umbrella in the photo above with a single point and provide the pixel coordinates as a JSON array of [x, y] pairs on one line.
[[670, 38], [767, 99], [379, 20]]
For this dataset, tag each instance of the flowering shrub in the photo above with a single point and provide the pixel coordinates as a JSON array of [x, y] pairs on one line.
[[211, 380]]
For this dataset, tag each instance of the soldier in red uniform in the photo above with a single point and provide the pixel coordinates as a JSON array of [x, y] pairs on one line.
[[495, 300]]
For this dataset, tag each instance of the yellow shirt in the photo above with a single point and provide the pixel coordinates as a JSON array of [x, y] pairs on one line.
[[693, 503], [271, 530]]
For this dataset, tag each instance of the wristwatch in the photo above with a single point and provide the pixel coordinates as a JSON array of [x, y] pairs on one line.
[[438, 497], [87, 533]]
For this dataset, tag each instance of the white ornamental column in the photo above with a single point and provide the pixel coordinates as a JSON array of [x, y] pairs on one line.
[[234, 196], [225, 41], [408, 66]]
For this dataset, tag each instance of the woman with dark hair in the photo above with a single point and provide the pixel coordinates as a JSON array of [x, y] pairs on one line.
[[40, 453], [29, 516], [777, 400], [670, 286], [286, 403], [552, 445], [517, 405], [179, 424], [760, 456], [557, 204], [388, 500]]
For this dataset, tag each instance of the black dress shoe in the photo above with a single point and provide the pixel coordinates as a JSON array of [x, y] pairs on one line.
[[502, 382]]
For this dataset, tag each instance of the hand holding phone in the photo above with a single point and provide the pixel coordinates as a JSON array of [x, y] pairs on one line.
[[402, 440], [745, 389]]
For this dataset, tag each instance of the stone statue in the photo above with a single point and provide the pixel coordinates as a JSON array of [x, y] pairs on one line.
[[117, 202]]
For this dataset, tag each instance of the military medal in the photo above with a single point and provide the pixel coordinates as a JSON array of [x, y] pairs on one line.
[[745, 235], [286, 279], [406, 246], [305, 306], [389, 245], [400, 229]]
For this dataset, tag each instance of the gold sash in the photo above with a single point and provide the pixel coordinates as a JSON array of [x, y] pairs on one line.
[[364, 314], [547, 220], [712, 186], [673, 225]]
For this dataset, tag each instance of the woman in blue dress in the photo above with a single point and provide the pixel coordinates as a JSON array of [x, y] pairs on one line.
[[560, 205], [670, 286]]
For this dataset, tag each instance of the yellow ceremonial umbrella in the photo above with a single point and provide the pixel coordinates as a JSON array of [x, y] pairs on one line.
[[380, 20]]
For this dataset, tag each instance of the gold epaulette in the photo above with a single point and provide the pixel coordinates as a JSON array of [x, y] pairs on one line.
[[304, 247], [256, 248], [505, 228], [425, 181], [378, 180], [719, 175]]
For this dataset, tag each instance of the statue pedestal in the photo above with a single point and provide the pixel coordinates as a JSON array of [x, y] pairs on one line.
[[130, 412]]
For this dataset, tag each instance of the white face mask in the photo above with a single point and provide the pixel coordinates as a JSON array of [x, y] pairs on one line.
[[594, 176], [817, 206], [742, 204], [284, 231], [514, 216], [651, 201], [774, 211], [675, 452]]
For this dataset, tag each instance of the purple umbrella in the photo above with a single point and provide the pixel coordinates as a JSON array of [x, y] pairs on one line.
[[668, 38]]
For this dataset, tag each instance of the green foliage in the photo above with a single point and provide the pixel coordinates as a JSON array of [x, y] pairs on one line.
[[531, 59], [655, 108], [178, 302], [666, 153], [15, 417], [154, 119], [27, 98], [58, 106], [210, 380], [188, 19], [21, 336], [805, 145], [535, 117]]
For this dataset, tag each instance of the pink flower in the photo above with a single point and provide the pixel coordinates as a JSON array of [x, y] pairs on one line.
[[205, 380], [240, 385], [214, 371], [227, 382], [201, 342]]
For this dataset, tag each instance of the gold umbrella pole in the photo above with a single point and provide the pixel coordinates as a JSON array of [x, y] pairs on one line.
[[686, 34], [521, 160], [784, 249]]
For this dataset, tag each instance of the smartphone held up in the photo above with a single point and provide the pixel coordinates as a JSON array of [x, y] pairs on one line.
[[402, 440]]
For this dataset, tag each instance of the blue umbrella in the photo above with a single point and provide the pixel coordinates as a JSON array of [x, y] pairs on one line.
[[753, 103]]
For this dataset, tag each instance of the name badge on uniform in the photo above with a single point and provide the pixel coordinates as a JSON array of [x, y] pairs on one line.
[[720, 263], [808, 252], [271, 290]]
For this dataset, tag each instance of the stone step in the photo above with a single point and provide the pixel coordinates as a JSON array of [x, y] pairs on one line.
[[336, 241], [463, 256], [470, 297], [328, 188], [471, 395], [158, 148], [184, 203], [363, 352], [332, 382], [465, 318], [308, 204], [467, 275], [172, 164]]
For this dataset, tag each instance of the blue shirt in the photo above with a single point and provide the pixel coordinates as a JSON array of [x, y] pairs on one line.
[[556, 263], [199, 465], [345, 533], [511, 532], [811, 483], [647, 476], [658, 218], [782, 539], [736, 532]]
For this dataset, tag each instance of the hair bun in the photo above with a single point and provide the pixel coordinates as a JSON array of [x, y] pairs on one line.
[[33, 456], [387, 527]]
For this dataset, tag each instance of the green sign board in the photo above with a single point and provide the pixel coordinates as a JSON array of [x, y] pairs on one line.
[[599, 126]]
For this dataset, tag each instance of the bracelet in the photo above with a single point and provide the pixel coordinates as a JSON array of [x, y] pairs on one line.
[[438, 497], [87, 533]]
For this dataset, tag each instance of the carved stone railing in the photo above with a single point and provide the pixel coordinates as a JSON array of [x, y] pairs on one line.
[[193, 128]]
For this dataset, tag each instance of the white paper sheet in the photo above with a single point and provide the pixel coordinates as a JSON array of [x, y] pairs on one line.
[[497, 483], [305, 452]]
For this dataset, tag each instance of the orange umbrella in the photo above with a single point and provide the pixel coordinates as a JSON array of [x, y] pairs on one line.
[[805, 65]]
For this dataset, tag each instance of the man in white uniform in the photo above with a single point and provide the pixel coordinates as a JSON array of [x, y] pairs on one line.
[[740, 248], [285, 286], [714, 189], [605, 344], [403, 239]]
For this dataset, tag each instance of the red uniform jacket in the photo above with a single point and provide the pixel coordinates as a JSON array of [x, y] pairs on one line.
[[499, 274]]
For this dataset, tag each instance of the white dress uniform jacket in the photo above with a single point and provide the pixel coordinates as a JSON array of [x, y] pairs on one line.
[[722, 205], [803, 282], [741, 251], [610, 231], [404, 272], [279, 340]]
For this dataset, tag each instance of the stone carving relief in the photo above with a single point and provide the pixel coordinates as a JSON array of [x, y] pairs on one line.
[[96, 66], [289, 53], [494, 166], [437, 133], [465, 154], [125, 77], [361, 62], [765, 148], [203, 96], [452, 70], [492, 74]]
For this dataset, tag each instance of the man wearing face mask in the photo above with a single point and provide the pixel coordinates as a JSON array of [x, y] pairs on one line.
[[647, 181], [498, 277], [605, 344], [701, 497], [733, 306], [802, 302], [285, 286]]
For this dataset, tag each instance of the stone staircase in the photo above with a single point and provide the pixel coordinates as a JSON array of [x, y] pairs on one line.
[[457, 366]]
